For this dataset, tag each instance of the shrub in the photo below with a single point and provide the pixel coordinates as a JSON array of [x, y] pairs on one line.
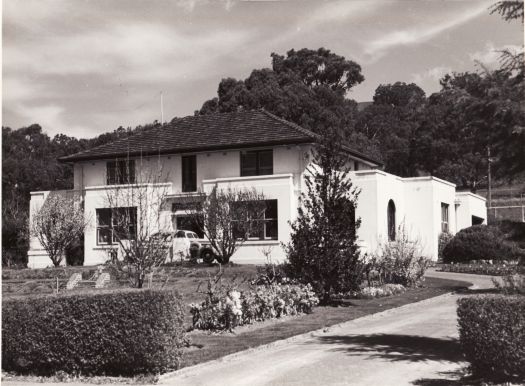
[[398, 262], [492, 335], [511, 284], [443, 240], [483, 269], [478, 242], [110, 333], [227, 310]]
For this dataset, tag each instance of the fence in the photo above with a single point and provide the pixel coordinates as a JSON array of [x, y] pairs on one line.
[[507, 204]]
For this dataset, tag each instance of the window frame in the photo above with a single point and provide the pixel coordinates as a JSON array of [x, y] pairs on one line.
[[114, 228], [192, 187], [120, 172], [445, 217], [391, 220], [266, 221], [258, 167]]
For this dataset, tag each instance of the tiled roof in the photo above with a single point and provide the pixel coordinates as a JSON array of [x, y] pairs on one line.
[[216, 131]]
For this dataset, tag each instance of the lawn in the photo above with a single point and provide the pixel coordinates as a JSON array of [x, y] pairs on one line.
[[206, 346]]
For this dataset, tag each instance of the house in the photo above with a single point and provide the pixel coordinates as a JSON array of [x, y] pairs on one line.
[[254, 149]]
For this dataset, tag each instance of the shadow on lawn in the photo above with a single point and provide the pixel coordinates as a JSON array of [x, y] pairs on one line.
[[411, 348]]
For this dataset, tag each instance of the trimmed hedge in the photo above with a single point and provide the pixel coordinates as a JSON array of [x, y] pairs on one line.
[[492, 335], [478, 242], [110, 333]]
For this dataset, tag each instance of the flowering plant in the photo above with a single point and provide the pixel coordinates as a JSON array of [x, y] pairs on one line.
[[234, 308]]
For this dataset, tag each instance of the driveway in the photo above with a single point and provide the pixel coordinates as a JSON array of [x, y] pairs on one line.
[[413, 344]]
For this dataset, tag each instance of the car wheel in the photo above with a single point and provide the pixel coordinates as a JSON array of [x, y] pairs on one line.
[[207, 256]]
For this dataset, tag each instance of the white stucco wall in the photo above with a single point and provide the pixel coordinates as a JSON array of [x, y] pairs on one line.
[[418, 208], [37, 256], [417, 200], [467, 205]]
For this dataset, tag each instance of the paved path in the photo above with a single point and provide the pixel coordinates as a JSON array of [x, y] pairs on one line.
[[401, 346]]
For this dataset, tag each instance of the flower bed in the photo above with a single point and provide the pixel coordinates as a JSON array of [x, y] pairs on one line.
[[372, 292], [483, 269], [225, 311]]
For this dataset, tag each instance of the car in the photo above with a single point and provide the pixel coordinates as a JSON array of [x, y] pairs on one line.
[[188, 244]]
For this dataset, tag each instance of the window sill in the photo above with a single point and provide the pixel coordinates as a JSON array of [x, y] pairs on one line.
[[261, 242]]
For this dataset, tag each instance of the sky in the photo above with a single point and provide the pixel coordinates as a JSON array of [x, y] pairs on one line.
[[85, 67]]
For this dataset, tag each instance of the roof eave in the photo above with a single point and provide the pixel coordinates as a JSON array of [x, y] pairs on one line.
[[87, 157]]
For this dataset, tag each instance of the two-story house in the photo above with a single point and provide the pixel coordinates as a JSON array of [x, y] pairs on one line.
[[253, 149]]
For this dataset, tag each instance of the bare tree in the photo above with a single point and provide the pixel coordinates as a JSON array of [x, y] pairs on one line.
[[58, 224], [134, 214], [227, 218]]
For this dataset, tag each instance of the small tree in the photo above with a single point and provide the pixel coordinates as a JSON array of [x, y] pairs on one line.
[[137, 225], [323, 249], [57, 225], [227, 218]]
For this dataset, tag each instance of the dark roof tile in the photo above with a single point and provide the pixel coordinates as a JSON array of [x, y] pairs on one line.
[[206, 132]]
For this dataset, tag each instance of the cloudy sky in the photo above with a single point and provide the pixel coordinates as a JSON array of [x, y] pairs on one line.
[[84, 67]]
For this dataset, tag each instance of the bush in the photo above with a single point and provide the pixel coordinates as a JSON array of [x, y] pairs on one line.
[[478, 242], [227, 310], [398, 262], [483, 269], [513, 284], [443, 240], [492, 335], [110, 333]]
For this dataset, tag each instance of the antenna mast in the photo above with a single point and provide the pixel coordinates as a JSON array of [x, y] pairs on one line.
[[161, 109]]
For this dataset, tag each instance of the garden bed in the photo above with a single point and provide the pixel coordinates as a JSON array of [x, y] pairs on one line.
[[482, 269]]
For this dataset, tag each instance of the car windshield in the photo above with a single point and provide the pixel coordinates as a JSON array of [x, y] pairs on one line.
[[191, 235]]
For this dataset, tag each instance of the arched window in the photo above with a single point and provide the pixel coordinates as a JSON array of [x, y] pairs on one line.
[[391, 220]]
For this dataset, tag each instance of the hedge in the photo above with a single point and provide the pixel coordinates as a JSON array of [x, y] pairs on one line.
[[110, 333], [479, 242], [492, 335]]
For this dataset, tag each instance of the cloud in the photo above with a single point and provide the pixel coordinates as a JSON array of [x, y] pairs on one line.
[[377, 48], [340, 11], [490, 55], [432, 75]]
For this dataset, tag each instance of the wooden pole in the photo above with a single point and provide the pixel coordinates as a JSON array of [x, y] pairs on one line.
[[489, 177]]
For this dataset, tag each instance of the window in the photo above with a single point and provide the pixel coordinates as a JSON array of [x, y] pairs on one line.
[[356, 166], [256, 162], [114, 224], [187, 223], [120, 172], [391, 220], [189, 173], [265, 228], [444, 217]]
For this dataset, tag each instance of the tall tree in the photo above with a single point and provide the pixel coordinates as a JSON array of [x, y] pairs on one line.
[[392, 121], [307, 87], [323, 249]]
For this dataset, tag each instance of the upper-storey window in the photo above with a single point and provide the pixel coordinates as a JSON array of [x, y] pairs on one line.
[[120, 172], [256, 162], [189, 173]]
